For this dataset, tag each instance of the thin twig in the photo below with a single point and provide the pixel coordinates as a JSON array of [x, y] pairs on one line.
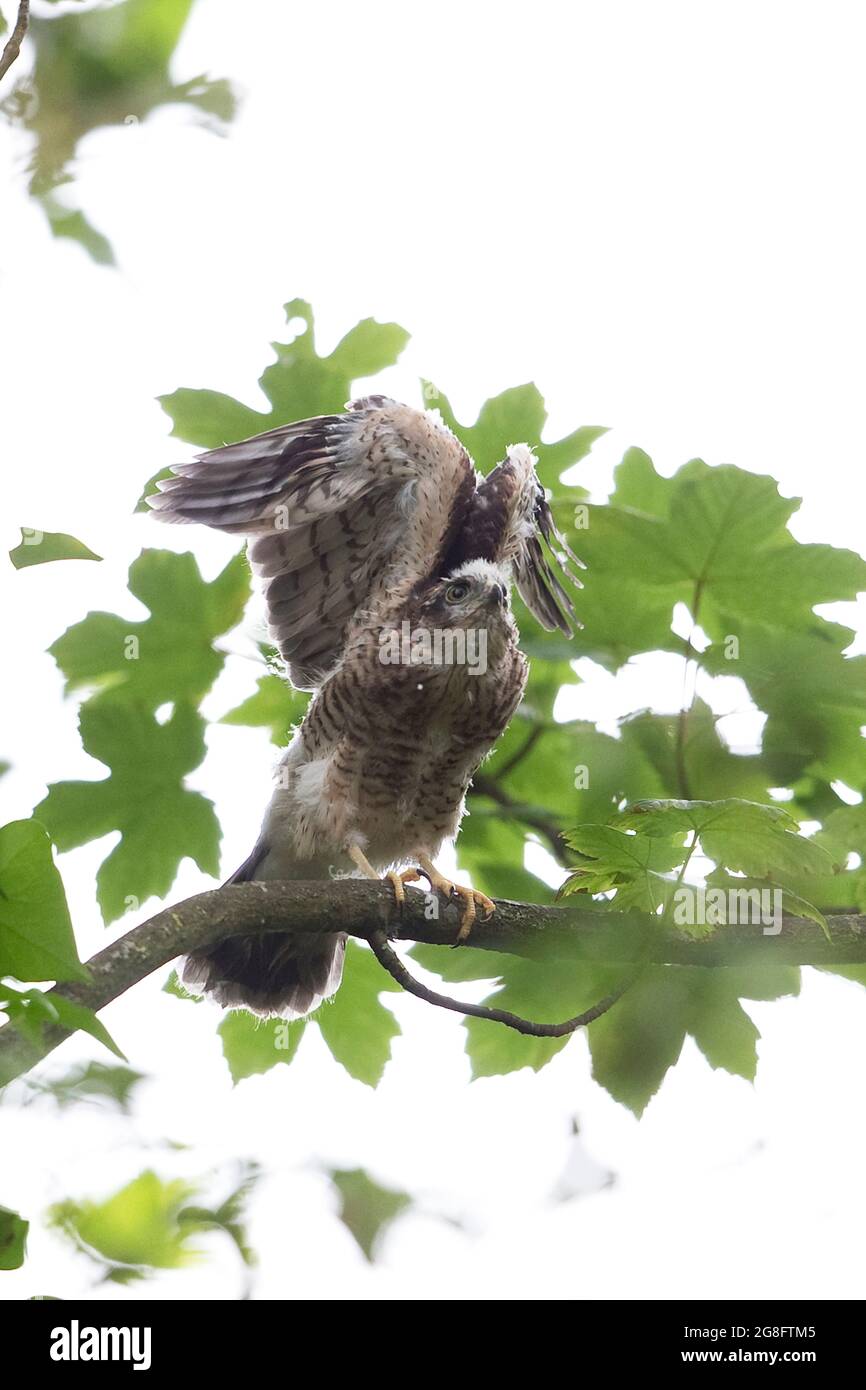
[[516, 758], [16, 38], [483, 785], [391, 962]]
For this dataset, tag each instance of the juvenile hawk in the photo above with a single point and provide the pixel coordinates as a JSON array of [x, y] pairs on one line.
[[386, 562]]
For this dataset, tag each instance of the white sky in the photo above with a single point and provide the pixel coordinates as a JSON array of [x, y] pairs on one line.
[[655, 212]]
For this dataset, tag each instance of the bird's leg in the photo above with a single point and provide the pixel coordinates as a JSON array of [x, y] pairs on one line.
[[472, 898], [359, 858]]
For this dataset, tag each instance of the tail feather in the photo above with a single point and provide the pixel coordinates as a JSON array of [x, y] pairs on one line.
[[273, 974]]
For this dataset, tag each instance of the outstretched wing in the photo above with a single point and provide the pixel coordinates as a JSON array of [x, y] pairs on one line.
[[334, 505], [508, 520]]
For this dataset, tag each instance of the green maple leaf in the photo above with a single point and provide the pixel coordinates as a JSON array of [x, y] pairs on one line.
[[812, 694], [253, 1045], [632, 1045], [161, 821], [714, 539], [276, 706], [39, 547], [76, 1016], [356, 1027], [36, 939], [636, 1042], [572, 772], [540, 992], [546, 992], [515, 416], [298, 384], [639, 487], [631, 584], [613, 858], [170, 655], [741, 835]]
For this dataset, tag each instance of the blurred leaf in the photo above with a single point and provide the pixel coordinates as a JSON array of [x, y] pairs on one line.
[[644, 1036], [95, 1081], [711, 769], [792, 903], [38, 547], [139, 1225], [101, 67], [367, 1209], [73, 225], [36, 938], [855, 973], [276, 706], [456, 967], [490, 850], [844, 833], [365, 350], [28, 1011], [170, 655], [13, 1239], [229, 1216], [631, 584], [161, 821]]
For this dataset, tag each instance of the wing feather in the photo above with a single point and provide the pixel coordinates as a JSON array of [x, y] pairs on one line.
[[334, 507], [506, 522]]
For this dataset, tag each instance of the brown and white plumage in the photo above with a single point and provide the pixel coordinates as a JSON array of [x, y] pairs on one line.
[[360, 524]]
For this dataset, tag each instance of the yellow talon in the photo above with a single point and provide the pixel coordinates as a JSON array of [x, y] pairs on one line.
[[472, 898], [396, 880]]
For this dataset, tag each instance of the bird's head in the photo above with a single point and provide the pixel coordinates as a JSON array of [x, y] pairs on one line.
[[474, 594]]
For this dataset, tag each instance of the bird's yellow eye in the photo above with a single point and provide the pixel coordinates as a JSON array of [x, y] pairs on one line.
[[455, 592]]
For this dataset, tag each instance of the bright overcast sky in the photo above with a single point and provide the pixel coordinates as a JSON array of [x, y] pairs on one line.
[[656, 212]]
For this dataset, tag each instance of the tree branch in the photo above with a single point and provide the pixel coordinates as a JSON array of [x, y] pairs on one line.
[[390, 961], [16, 38], [562, 933]]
